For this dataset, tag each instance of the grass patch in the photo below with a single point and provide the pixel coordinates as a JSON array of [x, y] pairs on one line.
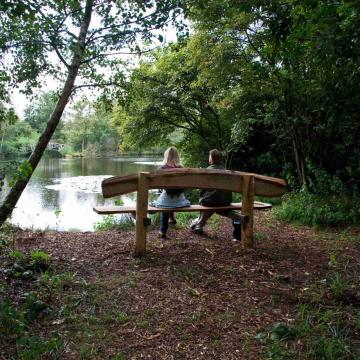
[[111, 222], [315, 210], [260, 236], [122, 318], [27, 267], [183, 219], [326, 328], [14, 324], [183, 271]]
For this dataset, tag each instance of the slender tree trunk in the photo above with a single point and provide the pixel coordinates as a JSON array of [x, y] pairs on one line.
[[13, 196], [297, 146], [1, 143]]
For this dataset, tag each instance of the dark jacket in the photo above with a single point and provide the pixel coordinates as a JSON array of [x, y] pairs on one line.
[[215, 197]]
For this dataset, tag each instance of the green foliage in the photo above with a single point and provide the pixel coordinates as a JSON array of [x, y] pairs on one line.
[[338, 285], [17, 138], [33, 348], [90, 130], [316, 210], [122, 318], [7, 116], [26, 267], [37, 113], [110, 222], [321, 332], [15, 322], [164, 104], [39, 259], [33, 307], [270, 63], [119, 202], [23, 172], [17, 319], [281, 331], [57, 282], [11, 322], [17, 255], [183, 219]]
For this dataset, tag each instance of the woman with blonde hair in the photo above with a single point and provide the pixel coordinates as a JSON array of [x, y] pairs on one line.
[[170, 198], [171, 158]]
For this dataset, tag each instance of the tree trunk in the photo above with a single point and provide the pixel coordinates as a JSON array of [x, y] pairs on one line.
[[12, 198], [1, 143], [299, 160]]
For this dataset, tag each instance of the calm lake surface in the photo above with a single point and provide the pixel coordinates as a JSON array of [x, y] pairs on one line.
[[62, 192]]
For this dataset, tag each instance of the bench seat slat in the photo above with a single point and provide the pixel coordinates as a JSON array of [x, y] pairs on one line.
[[104, 210]]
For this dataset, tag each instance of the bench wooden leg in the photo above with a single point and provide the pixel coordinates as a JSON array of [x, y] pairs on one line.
[[141, 214], [248, 211]]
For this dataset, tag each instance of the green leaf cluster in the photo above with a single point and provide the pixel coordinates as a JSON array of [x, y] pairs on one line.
[[273, 84]]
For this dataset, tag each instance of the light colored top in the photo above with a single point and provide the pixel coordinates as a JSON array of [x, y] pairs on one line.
[[171, 201]]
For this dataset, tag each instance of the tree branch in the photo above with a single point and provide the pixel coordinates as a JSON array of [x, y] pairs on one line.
[[111, 83], [120, 53], [117, 25], [62, 59]]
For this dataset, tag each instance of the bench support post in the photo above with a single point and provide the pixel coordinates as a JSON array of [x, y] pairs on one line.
[[248, 211], [141, 214]]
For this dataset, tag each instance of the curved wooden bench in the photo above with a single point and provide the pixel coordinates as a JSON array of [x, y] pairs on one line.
[[246, 183]]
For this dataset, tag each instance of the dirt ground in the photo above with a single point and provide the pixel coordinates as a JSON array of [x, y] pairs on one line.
[[190, 297]]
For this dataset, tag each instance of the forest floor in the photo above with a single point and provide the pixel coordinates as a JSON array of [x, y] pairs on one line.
[[190, 297]]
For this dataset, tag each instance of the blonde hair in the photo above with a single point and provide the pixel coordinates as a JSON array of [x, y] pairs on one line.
[[171, 157]]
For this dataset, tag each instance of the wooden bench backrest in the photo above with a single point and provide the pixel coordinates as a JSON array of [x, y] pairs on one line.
[[188, 178]]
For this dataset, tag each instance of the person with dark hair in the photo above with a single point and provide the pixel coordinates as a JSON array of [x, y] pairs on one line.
[[216, 198], [170, 198]]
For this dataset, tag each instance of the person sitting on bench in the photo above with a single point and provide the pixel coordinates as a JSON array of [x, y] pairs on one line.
[[216, 198], [170, 198]]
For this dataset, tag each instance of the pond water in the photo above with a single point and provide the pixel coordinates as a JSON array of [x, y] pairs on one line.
[[62, 192]]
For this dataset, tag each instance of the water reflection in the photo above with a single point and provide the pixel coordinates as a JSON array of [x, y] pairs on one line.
[[62, 192]]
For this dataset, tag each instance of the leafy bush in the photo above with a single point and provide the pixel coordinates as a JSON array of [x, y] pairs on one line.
[[323, 183], [313, 209]]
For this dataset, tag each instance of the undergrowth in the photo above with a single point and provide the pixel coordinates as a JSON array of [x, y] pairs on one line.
[[327, 325], [16, 318], [112, 222], [183, 219], [318, 210]]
